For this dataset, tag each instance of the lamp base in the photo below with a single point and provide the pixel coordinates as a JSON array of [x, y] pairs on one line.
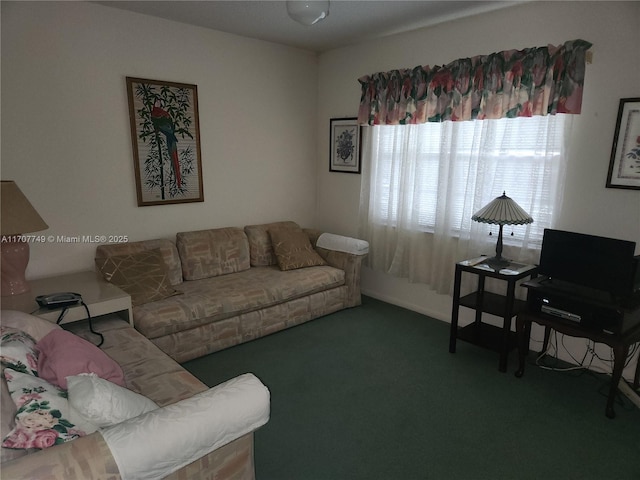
[[498, 262], [15, 258]]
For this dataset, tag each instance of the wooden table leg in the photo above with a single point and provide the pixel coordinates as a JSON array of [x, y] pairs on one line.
[[620, 353], [453, 334], [506, 327], [523, 329], [636, 378]]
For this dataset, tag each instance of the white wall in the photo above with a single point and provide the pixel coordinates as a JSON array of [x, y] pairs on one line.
[[588, 207], [66, 137]]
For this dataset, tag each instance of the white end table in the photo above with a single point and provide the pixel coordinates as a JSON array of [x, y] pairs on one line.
[[100, 296]]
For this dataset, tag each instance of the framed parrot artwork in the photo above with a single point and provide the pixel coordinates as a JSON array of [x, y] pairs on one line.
[[165, 133]]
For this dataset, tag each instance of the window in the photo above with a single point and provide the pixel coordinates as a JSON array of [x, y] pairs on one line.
[[443, 172]]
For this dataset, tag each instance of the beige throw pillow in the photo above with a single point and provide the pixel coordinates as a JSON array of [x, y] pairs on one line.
[[142, 275], [293, 249]]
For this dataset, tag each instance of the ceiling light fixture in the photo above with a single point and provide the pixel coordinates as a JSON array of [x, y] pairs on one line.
[[308, 12]]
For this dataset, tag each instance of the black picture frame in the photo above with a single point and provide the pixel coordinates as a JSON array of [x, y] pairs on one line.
[[624, 164], [345, 142]]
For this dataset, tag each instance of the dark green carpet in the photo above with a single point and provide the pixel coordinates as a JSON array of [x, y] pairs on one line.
[[373, 393]]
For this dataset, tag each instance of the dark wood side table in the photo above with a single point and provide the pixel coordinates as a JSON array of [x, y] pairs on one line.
[[506, 306], [620, 341]]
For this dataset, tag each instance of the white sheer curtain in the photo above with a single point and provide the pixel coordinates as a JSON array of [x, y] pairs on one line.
[[422, 183]]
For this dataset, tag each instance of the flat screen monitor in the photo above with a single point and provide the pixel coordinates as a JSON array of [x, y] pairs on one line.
[[600, 263]]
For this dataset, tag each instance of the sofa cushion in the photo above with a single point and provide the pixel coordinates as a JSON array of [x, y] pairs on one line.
[[61, 354], [260, 247], [167, 247], [209, 253], [147, 370], [293, 249], [18, 350], [103, 403], [222, 297], [44, 417], [143, 275]]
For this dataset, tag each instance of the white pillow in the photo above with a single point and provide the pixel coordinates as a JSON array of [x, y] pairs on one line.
[[104, 403]]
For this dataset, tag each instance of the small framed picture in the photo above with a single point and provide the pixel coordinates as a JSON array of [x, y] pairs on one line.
[[624, 166], [344, 141]]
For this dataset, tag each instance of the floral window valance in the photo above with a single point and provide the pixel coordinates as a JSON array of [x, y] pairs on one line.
[[513, 83]]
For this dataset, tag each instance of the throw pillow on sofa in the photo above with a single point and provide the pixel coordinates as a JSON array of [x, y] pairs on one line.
[[104, 403], [18, 350], [62, 354], [293, 249], [44, 417], [260, 247], [8, 411], [34, 326], [143, 275]]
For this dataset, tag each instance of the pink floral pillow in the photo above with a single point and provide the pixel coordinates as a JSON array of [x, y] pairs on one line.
[[44, 417], [18, 351]]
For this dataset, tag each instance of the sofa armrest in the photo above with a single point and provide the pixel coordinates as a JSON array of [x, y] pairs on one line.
[[189, 429], [340, 243], [345, 253]]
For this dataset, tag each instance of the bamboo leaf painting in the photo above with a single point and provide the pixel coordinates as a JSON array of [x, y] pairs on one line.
[[166, 142]]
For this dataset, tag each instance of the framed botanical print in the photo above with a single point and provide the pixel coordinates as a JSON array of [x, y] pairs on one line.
[[345, 143], [165, 133], [624, 165]]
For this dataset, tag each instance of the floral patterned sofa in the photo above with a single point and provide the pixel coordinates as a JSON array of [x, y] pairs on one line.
[[212, 289], [185, 431]]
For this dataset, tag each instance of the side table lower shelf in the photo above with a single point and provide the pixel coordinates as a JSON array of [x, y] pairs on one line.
[[487, 336], [492, 303]]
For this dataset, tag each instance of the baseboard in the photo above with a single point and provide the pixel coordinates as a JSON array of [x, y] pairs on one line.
[[625, 388], [408, 305]]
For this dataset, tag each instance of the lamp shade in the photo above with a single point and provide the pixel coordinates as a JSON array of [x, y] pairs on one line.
[[502, 211], [308, 12], [18, 215]]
